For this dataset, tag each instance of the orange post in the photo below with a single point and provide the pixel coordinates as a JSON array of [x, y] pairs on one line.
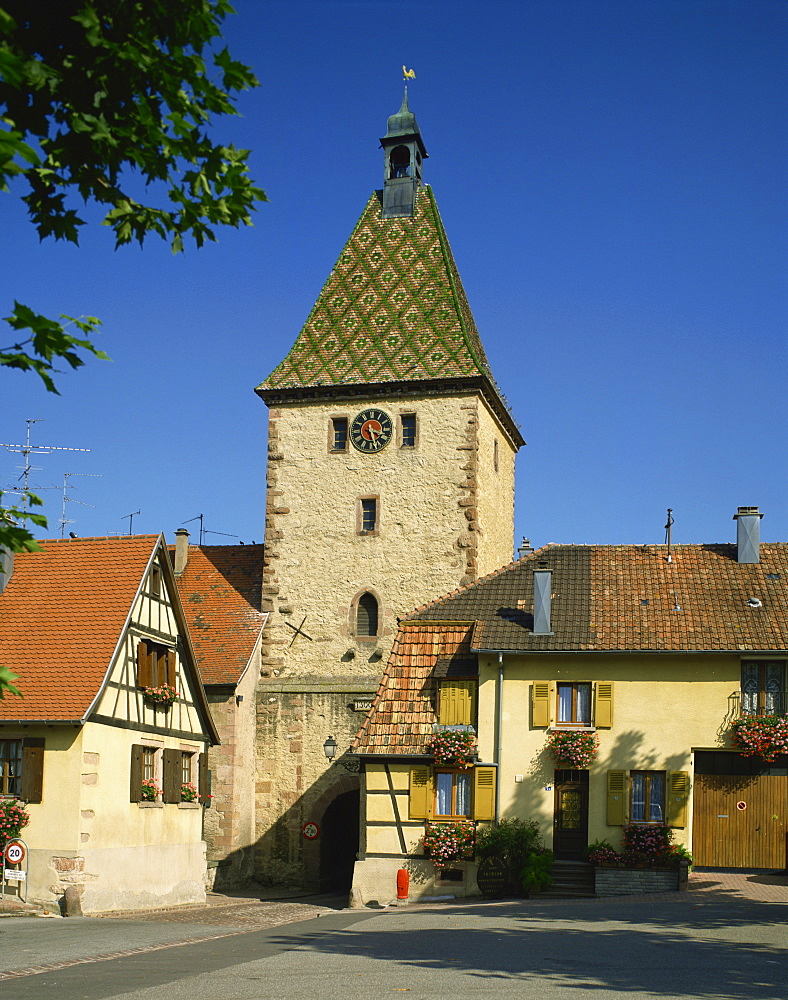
[[403, 882]]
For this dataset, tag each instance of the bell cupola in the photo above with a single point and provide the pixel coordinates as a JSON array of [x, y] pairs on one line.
[[404, 153]]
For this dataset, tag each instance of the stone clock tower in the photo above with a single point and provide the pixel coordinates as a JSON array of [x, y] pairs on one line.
[[390, 482]]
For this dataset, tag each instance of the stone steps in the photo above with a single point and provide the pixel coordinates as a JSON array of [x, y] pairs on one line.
[[572, 879]]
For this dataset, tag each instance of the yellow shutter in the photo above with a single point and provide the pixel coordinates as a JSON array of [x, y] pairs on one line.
[[420, 798], [484, 793], [604, 705], [678, 795], [456, 706], [616, 798], [541, 703]]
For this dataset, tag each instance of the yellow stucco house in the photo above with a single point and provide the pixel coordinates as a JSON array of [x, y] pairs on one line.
[[108, 744], [654, 650]]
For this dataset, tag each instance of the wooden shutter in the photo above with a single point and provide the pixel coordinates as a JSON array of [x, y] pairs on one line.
[[456, 703], [484, 792], [616, 798], [678, 796], [144, 672], [541, 703], [135, 788], [204, 780], [171, 776], [420, 797], [32, 769], [603, 716], [171, 667]]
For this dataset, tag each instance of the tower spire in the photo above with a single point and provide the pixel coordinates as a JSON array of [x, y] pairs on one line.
[[403, 153]]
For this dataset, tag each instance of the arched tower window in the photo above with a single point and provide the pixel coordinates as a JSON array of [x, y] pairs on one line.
[[367, 616], [400, 162]]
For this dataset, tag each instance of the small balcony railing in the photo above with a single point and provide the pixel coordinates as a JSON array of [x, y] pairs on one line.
[[772, 704]]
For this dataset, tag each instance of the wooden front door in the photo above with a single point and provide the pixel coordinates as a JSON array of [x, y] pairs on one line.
[[570, 822], [740, 821]]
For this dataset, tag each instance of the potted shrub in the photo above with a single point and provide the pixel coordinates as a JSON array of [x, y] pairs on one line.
[[453, 748], [537, 872], [448, 843], [573, 748], [504, 851], [764, 736]]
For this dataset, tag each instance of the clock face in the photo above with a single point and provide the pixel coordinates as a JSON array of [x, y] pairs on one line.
[[371, 430]]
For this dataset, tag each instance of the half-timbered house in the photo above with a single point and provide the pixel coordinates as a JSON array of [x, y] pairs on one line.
[[108, 744]]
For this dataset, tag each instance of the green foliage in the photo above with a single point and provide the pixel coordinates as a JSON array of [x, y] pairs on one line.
[[109, 102], [537, 872], [13, 818], [601, 852], [510, 842]]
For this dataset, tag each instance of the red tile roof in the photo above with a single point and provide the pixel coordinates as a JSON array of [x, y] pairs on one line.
[[220, 590], [62, 614], [403, 711]]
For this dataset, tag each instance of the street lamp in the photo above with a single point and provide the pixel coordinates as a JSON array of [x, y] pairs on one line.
[[330, 748]]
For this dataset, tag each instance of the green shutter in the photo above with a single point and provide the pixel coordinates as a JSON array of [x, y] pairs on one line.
[[616, 798], [484, 793], [678, 796], [420, 798], [541, 703], [604, 705]]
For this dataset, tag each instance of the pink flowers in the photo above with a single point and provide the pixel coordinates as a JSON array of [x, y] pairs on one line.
[[164, 694], [13, 817], [449, 842], [764, 736], [452, 747], [150, 790], [573, 748], [189, 792]]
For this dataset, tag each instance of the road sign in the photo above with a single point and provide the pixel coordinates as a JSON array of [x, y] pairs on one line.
[[310, 831], [14, 875], [15, 852]]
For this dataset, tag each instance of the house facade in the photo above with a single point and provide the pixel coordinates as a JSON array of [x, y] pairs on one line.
[[654, 652], [108, 745], [390, 481]]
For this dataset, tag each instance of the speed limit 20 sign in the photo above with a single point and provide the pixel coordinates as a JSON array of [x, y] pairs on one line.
[[15, 852]]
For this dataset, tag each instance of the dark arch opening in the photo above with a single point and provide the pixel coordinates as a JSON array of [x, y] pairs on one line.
[[367, 615], [400, 162], [339, 842]]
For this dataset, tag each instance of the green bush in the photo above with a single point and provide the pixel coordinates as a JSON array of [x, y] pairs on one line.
[[537, 872], [510, 842]]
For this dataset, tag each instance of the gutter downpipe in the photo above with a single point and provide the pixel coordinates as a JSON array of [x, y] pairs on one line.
[[498, 737]]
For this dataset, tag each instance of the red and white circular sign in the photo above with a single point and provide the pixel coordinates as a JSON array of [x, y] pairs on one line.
[[741, 806], [310, 830], [15, 852]]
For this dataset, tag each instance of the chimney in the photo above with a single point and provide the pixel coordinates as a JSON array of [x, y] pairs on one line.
[[6, 567], [525, 549], [181, 550], [542, 584], [748, 534]]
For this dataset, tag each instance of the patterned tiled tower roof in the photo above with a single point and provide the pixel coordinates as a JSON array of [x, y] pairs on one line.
[[392, 310]]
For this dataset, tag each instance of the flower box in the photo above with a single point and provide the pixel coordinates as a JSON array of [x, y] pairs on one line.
[[763, 736], [164, 694], [573, 748], [453, 748]]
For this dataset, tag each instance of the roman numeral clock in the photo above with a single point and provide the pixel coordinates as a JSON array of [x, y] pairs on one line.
[[371, 430]]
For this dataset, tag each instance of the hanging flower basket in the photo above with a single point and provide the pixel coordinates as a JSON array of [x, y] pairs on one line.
[[448, 843], [164, 694], [13, 817], [573, 748], [453, 748], [763, 736]]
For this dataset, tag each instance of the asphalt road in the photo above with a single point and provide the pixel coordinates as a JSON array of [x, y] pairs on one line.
[[698, 946]]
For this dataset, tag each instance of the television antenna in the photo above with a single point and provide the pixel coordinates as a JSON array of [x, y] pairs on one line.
[[27, 450], [204, 531], [67, 499], [131, 519]]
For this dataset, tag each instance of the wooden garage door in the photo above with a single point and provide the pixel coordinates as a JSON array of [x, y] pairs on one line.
[[725, 836]]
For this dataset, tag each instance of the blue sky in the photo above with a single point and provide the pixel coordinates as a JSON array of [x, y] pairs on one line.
[[612, 178]]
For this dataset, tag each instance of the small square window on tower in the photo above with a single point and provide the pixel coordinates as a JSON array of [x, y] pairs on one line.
[[408, 430], [338, 434]]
